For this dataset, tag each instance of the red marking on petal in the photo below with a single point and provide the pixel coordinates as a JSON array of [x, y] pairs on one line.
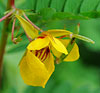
[[46, 56], [41, 37], [36, 52], [45, 53], [62, 36], [41, 51]]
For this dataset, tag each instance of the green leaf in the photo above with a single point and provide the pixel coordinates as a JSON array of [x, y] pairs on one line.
[[73, 6], [66, 9], [89, 5], [93, 14], [40, 4], [47, 13], [66, 15], [57, 4], [69, 9]]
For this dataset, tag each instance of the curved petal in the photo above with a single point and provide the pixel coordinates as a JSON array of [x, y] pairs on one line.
[[29, 29], [59, 32], [38, 44], [74, 54], [57, 53], [58, 45], [33, 71], [49, 63]]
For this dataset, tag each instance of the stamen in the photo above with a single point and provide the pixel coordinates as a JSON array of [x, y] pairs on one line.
[[32, 23]]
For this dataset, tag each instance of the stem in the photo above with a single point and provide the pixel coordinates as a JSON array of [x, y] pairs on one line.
[[12, 3], [28, 37], [4, 38], [12, 33], [32, 23], [6, 16]]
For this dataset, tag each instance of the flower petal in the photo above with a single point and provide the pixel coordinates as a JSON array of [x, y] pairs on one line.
[[49, 63], [55, 52], [74, 54], [59, 32], [58, 45], [38, 44], [29, 29], [33, 71]]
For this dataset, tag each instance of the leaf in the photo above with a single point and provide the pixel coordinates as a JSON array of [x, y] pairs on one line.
[[47, 13], [93, 14], [66, 15], [40, 4], [69, 9], [72, 6], [57, 4], [89, 5]]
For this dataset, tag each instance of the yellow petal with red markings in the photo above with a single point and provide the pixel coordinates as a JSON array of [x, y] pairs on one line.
[[38, 44], [33, 71]]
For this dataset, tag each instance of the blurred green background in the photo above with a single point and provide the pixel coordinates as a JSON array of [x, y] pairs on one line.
[[81, 76]]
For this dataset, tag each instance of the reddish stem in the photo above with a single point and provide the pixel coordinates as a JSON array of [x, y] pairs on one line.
[[12, 3], [6, 16], [32, 23], [28, 37], [12, 33], [4, 39]]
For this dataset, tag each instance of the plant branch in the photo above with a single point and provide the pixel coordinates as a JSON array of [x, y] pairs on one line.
[[32, 23]]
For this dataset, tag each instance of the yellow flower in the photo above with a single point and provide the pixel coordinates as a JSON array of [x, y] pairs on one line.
[[37, 65]]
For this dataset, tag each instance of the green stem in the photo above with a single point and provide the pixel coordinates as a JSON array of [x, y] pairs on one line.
[[4, 38]]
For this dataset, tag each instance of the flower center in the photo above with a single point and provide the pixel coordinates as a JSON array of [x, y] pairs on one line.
[[43, 53]]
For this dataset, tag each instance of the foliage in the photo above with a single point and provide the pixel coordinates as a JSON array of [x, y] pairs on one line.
[[81, 76]]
